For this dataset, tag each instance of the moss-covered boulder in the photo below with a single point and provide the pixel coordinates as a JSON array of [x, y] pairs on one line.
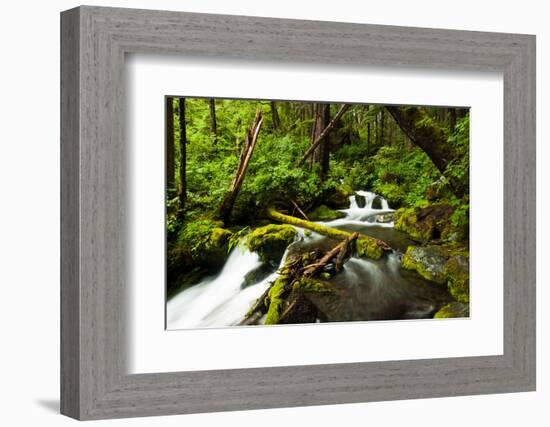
[[425, 224], [443, 265], [201, 248], [457, 272], [453, 310], [428, 261], [339, 198], [324, 213], [367, 247], [271, 241], [205, 241]]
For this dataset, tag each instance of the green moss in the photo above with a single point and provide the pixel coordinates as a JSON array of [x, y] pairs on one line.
[[407, 222], [324, 213], [367, 247], [276, 300], [205, 241], [427, 261], [311, 285], [430, 222], [391, 192], [458, 278], [453, 310], [270, 242], [339, 199]]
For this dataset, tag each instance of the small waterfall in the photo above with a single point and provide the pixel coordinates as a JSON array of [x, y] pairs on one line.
[[189, 308], [219, 301], [355, 214]]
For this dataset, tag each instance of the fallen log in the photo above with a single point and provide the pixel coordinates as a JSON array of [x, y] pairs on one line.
[[365, 246], [340, 248]]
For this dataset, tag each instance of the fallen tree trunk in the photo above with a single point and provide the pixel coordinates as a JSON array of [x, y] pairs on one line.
[[431, 139], [365, 246]]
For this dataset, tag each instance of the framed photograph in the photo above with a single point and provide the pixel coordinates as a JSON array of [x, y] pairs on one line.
[[261, 213]]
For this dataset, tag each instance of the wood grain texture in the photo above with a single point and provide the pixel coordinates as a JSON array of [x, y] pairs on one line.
[[95, 235]]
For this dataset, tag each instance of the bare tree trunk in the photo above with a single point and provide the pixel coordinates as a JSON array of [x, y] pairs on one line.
[[246, 154], [170, 145], [275, 116], [452, 119], [322, 135], [321, 154], [382, 118], [182, 190], [213, 122]]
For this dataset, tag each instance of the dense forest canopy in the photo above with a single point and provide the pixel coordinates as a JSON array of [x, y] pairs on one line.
[[230, 161], [367, 149]]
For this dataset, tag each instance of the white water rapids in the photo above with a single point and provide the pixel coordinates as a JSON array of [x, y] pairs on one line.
[[221, 301]]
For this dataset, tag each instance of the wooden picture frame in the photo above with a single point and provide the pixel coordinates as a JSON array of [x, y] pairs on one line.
[[94, 41]]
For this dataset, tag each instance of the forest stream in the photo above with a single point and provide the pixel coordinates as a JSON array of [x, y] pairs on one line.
[[365, 290]]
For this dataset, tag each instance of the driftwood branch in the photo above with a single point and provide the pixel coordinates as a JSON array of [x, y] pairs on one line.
[[342, 247]]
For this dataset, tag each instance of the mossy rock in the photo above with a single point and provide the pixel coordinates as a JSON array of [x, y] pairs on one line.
[[453, 310], [367, 247], [324, 213], [339, 199], [204, 242], [271, 241], [425, 224], [311, 285], [428, 261], [457, 271]]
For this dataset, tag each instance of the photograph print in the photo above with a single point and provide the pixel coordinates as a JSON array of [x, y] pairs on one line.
[[298, 212]]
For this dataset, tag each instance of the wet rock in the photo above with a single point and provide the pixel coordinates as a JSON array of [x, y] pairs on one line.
[[376, 203], [457, 271], [257, 275], [384, 218], [339, 199], [453, 310], [324, 213], [425, 224], [360, 200], [428, 261], [270, 242]]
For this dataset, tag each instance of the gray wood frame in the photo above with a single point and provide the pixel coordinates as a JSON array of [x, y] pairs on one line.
[[94, 383]]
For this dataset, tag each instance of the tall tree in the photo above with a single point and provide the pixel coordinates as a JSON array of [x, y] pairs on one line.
[[275, 116], [249, 144], [213, 122], [321, 154], [367, 107], [170, 145], [322, 135], [182, 188], [452, 119], [430, 138]]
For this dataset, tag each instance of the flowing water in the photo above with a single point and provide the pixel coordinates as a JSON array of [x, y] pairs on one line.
[[365, 289]]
